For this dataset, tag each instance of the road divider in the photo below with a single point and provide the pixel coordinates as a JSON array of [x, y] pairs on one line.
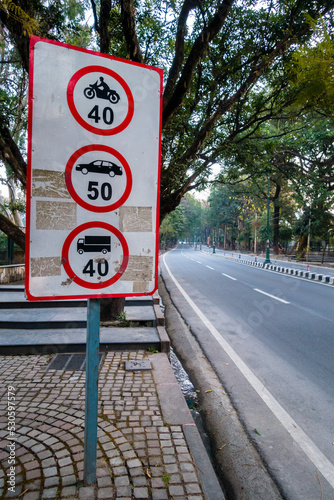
[[319, 278]]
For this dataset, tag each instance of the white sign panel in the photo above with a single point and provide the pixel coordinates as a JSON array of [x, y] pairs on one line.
[[94, 174]]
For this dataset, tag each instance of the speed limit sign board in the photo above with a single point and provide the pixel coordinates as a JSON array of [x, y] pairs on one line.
[[94, 139]]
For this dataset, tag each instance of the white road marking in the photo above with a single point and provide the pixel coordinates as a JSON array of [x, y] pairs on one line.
[[198, 262], [227, 276], [321, 462], [210, 268], [272, 296]]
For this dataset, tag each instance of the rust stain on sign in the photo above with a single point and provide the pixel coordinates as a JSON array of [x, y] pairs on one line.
[[139, 268], [49, 184], [45, 266], [135, 219], [67, 282], [56, 215]]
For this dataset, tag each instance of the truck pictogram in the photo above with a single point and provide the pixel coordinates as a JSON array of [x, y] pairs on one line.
[[94, 244]]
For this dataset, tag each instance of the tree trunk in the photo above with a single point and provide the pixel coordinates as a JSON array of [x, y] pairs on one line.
[[276, 228], [276, 218], [111, 308]]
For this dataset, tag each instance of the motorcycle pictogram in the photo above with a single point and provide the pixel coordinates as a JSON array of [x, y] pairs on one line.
[[101, 90]]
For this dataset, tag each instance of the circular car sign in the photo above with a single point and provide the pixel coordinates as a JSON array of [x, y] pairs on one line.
[[95, 255], [100, 100], [98, 178]]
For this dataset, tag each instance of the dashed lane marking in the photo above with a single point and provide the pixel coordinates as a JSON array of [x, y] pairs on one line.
[[271, 296], [230, 277]]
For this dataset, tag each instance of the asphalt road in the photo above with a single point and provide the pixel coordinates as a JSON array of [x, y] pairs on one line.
[[270, 339]]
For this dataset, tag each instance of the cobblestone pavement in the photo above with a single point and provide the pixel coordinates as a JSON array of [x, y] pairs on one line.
[[139, 456]]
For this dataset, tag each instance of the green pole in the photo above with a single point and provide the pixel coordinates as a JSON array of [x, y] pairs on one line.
[[91, 399], [267, 260]]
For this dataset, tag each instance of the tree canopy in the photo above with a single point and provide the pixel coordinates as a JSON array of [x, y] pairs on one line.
[[226, 67]]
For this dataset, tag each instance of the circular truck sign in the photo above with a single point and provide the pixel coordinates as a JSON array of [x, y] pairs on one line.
[[95, 255]]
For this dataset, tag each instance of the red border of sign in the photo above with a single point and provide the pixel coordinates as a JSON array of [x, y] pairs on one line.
[[33, 41], [74, 194], [66, 263], [73, 109]]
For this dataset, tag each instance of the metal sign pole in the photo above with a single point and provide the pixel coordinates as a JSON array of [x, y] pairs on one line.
[[92, 375]]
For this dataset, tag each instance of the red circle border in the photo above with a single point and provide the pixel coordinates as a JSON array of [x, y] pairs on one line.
[[66, 264], [74, 194], [70, 100]]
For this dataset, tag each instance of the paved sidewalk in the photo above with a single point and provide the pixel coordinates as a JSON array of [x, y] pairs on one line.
[[148, 445]]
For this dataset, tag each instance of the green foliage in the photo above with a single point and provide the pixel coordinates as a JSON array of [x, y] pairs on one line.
[[14, 11], [312, 71], [18, 205], [184, 223]]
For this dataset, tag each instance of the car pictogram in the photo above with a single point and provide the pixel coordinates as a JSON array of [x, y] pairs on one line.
[[100, 167]]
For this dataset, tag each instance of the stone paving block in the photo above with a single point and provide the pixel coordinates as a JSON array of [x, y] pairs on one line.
[[119, 471], [176, 490], [139, 481], [33, 474], [159, 495], [50, 471], [189, 477], [193, 488], [136, 471], [106, 493], [50, 493], [69, 480], [68, 491], [31, 495], [133, 463], [141, 493], [122, 481], [51, 481], [87, 492], [123, 491], [105, 481]]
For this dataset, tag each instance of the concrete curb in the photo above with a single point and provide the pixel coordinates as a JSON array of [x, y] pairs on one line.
[[175, 411]]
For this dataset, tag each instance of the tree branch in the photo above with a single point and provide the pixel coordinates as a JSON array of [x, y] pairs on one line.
[[226, 104], [14, 232], [20, 40], [173, 103], [11, 155], [129, 29], [175, 69], [104, 26]]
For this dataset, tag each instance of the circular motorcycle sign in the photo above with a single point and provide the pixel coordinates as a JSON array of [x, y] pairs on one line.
[[100, 100], [95, 255], [98, 178]]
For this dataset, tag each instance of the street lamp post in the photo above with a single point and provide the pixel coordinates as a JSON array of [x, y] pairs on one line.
[[267, 260]]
